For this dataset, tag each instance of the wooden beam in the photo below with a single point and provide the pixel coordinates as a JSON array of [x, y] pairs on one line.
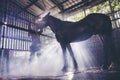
[[25, 8], [53, 7], [20, 7], [39, 6], [80, 3], [57, 4]]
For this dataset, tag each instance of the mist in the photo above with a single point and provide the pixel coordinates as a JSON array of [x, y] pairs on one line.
[[50, 62]]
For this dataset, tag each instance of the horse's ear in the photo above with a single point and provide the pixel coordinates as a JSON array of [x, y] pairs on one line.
[[48, 14]]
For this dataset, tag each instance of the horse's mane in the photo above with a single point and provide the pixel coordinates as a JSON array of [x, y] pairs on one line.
[[56, 20]]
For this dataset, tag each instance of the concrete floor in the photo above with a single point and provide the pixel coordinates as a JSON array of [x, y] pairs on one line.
[[92, 74]]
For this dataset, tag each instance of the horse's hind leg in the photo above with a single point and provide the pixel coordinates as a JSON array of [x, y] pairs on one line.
[[63, 46], [104, 40], [109, 50], [73, 57], [114, 64]]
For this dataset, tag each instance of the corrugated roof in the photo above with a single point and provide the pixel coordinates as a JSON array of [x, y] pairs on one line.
[[37, 7]]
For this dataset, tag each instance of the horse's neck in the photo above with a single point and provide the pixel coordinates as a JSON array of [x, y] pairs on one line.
[[55, 24]]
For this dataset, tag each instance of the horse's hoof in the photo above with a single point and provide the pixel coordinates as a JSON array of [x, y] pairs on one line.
[[114, 67], [104, 67], [76, 70], [64, 69]]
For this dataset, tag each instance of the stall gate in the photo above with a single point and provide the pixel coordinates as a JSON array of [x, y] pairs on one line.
[[14, 31]]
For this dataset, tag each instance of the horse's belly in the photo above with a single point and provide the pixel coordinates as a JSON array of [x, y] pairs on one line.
[[81, 37]]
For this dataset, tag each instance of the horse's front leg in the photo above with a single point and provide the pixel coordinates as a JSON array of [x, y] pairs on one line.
[[63, 46], [73, 57]]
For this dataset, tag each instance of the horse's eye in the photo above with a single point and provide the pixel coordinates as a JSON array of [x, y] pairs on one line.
[[43, 19]]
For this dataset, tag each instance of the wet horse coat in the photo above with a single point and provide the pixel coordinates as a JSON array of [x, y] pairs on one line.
[[67, 32]]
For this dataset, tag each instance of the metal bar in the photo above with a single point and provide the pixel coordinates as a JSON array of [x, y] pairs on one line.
[[3, 36], [31, 31]]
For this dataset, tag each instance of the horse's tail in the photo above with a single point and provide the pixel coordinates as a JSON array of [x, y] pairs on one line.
[[108, 42], [108, 25]]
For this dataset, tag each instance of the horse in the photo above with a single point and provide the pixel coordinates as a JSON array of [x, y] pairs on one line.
[[93, 24]]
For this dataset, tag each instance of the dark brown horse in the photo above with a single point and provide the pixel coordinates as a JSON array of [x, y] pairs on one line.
[[67, 32]]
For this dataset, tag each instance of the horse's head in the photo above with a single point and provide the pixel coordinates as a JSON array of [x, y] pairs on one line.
[[44, 20], [50, 21]]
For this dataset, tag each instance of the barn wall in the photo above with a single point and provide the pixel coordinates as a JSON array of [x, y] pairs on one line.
[[13, 35], [14, 32]]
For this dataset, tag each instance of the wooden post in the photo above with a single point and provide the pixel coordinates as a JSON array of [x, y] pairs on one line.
[[4, 52], [85, 12], [112, 12]]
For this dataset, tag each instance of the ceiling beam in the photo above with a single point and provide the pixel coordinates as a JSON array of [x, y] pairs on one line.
[[25, 8], [54, 7], [12, 1], [32, 2], [83, 2], [39, 6], [57, 4]]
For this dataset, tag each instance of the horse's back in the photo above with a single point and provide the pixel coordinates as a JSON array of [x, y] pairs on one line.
[[100, 22], [95, 23]]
